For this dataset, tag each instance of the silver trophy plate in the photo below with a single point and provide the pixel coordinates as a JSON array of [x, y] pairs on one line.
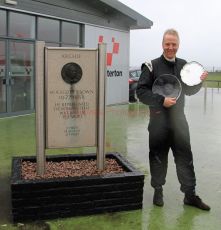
[[167, 85], [191, 73]]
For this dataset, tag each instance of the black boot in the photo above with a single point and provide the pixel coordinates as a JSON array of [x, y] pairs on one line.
[[158, 197], [195, 201]]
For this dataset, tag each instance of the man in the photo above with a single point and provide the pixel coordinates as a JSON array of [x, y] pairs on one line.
[[168, 127]]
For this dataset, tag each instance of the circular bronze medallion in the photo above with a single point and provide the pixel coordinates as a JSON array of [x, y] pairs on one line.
[[71, 73]]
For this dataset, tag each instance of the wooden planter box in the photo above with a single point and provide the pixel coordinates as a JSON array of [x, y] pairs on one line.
[[74, 196]]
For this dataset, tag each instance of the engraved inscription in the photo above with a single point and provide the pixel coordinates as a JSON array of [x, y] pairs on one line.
[[71, 104], [72, 131], [71, 96], [72, 56]]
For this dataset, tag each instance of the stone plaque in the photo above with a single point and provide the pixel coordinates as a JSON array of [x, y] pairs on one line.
[[71, 98]]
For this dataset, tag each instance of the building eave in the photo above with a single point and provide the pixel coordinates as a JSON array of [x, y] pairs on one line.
[[138, 21]]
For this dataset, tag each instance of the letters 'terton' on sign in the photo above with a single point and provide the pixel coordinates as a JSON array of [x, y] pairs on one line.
[[71, 97]]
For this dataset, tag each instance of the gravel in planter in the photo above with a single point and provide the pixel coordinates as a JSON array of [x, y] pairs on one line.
[[64, 169]]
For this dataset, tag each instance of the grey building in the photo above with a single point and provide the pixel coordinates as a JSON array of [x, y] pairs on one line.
[[66, 23]]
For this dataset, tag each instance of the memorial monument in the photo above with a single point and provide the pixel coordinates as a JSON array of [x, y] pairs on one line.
[[70, 112]]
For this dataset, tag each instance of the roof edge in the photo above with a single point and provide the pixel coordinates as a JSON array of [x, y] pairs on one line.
[[141, 21]]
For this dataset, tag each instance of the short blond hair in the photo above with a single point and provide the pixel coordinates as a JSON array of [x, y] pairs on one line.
[[171, 32]]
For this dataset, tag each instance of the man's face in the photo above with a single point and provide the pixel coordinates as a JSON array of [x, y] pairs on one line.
[[170, 46]]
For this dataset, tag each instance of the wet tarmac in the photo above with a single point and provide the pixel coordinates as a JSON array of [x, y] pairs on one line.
[[126, 132]]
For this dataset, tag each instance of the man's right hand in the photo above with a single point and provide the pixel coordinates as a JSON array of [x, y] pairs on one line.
[[169, 101]]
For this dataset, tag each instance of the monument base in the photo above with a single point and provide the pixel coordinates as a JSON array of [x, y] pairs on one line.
[[43, 199]]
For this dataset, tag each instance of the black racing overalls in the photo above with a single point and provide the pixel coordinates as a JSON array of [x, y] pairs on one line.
[[168, 127]]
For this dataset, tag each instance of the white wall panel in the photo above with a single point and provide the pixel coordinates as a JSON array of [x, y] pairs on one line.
[[117, 68]]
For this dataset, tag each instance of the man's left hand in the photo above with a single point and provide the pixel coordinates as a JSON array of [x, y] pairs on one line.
[[204, 76]]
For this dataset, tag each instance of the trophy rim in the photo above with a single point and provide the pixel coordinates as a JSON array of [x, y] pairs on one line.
[[161, 88], [188, 71]]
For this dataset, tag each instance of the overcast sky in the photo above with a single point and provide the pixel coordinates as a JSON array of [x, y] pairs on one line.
[[197, 21]]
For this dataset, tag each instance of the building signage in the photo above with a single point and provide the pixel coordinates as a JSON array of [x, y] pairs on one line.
[[117, 60]]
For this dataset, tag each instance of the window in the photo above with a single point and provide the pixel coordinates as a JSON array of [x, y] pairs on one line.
[[2, 78], [133, 74], [70, 34], [2, 22], [21, 25], [138, 73], [21, 67], [48, 30]]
